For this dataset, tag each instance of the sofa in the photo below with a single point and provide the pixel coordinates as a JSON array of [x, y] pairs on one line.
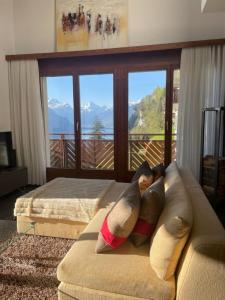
[[126, 273]]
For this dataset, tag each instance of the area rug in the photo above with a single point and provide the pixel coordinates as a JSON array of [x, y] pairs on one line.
[[28, 267]]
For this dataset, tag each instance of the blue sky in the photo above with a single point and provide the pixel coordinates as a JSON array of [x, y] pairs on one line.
[[141, 84], [99, 88], [60, 88]]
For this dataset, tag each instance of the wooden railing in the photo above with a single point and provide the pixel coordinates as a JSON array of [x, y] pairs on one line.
[[97, 150]]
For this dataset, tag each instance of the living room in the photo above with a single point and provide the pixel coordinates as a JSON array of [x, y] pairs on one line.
[[112, 136]]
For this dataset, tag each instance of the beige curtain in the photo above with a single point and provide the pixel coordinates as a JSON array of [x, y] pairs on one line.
[[202, 84], [27, 119], [44, 105]]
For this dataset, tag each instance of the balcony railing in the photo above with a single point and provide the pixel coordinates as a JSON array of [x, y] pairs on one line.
[[97, 150]]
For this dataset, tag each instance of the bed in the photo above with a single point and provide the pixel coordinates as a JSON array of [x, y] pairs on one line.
[[64, 206]]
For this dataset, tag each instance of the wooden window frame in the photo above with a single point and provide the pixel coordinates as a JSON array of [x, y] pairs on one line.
[[119, 65]]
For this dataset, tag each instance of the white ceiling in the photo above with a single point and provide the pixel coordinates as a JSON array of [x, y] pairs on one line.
[[213, 6]]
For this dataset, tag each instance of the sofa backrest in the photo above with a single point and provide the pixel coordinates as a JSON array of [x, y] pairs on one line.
[[201, 271], [173, 226]]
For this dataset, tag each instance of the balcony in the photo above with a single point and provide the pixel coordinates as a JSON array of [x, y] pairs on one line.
[[97, 150]]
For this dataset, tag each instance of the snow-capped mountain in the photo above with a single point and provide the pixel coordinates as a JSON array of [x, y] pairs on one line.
[[90, 111], [90, 107], [55, 103], [64, 110], [61, 116]]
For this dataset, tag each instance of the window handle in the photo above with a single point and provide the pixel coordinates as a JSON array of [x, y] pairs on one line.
[[167, 126], [77, 126]]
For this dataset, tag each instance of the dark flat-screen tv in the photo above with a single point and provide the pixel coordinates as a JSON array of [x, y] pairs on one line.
[[7, 153]]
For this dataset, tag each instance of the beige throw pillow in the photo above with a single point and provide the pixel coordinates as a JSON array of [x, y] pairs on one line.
[[144, 182], [152, 203], [173, 227], [120, 221]]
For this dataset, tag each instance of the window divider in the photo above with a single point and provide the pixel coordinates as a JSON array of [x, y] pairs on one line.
[[77, 121]]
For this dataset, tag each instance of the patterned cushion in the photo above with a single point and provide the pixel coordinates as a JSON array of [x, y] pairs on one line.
[[158, 171], [143, 169], [152, 204], [144, 182], [120, 220]]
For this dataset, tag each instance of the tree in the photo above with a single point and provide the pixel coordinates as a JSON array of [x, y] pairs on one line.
[[97, 128]]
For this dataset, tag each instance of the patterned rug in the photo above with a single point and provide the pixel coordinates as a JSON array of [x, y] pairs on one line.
[[28, 267]]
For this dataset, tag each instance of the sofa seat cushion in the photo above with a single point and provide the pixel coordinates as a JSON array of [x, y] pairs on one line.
[[125, 271]]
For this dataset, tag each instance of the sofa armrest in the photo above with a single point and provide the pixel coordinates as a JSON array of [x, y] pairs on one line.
[[202, 271]]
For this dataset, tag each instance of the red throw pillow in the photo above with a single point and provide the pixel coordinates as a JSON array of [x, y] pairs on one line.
[[120, 221], [152, 203]]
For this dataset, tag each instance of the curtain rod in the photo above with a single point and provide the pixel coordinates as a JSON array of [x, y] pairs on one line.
[[116, 51]]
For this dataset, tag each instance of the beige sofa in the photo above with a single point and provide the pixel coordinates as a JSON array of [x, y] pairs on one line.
[[126, 272]]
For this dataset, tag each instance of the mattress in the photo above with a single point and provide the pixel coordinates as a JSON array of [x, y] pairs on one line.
[[65, 228], [65, 198]]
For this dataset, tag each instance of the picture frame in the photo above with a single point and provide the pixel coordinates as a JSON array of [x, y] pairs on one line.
[[91, 24]]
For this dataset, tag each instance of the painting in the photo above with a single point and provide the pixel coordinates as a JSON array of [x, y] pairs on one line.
[[91, 24]]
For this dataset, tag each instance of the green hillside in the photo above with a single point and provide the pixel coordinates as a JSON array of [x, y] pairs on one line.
[[149, 114]]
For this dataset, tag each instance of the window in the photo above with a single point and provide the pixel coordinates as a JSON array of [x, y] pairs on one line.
[[107, 114], [97, 123], [146, 117], [61, 122], [176, 90]]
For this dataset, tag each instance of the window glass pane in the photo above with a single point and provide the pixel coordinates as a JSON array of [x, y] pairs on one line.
[[61, 121], [176, 90], [97, 126], [146, 117]]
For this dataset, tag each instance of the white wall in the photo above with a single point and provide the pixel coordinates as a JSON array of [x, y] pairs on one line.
[[34, 25], [205, 25], [150, 22], [157, 21], [213, 5], [6, 46], [29, 25]]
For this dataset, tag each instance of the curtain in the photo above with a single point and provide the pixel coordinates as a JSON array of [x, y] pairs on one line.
[[27, 119], [44, 105], [202, 84]]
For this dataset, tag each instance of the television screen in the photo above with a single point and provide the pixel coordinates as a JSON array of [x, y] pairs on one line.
[[4, 160]]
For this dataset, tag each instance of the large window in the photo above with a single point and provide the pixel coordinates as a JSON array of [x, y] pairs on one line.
[[106, 115]]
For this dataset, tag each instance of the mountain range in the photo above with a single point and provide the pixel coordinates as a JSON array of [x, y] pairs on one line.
[[61, 116], [145, 116]]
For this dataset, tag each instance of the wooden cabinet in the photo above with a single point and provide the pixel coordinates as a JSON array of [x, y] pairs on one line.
[[12, 179]]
